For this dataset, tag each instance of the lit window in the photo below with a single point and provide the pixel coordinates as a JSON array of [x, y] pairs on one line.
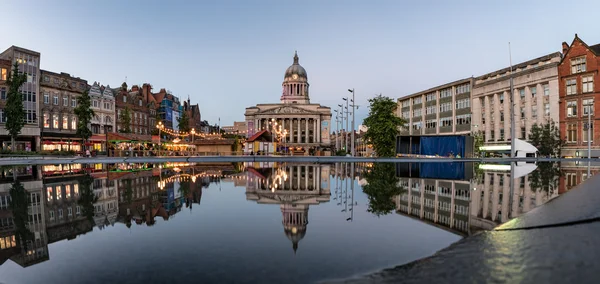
[[578, 65], [76, 189], [73, 123], [58, 189], [49, 193], [68, 190], [3, 74], [46, 120], [587, 84], [571, 86], [65, 124], [55, 121]]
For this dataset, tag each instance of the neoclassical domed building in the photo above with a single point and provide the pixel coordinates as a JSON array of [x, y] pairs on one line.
[[308, 125], [294, 187]]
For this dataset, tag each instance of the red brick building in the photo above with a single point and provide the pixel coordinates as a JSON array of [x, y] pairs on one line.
[[578, 79], [141, 105]]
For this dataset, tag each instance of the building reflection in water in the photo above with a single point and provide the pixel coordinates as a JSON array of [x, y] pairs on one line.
[[119, 193], [294, 187], [465, 204]]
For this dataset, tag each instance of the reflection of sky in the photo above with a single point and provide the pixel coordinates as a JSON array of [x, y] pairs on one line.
[[228, 237]]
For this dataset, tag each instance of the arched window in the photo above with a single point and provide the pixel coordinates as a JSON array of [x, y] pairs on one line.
[[107, 119], [97, 118]]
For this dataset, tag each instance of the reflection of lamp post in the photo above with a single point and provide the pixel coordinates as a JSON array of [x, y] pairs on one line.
[[353, 107]]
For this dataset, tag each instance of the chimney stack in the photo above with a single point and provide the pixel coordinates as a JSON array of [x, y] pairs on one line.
[[565, 47]]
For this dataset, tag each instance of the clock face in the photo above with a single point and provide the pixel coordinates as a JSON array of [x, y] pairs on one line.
[[295, 76]]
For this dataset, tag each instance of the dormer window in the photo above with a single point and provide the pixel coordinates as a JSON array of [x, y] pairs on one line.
[[124, 99], [140, 102], [578, 65]]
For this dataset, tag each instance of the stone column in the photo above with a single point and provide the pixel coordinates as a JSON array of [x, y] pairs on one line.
[[291, 176], [306, 177], [306, 130], [318, 134], [507, 117], [298, 179], [299, 132], [487, 116], [435, 202], [453, 115]]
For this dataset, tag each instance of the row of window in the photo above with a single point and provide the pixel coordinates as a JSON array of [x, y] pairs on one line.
[[55, 100], [107, 105], [572, 132], [587, 106], [73, 84], [587, 85], [60, 212], [56, 192], [54, 122], [464, 103]]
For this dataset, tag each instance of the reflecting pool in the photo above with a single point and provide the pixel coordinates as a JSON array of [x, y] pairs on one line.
[[252, 222]]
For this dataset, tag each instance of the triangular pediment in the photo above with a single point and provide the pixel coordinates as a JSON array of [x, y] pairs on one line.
[[286, 110]]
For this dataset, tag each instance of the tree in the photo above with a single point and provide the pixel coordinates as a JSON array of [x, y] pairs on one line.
[[546, 138], [84, 114], [383, 125], [87, 198], [19, 203], [477, 143], [184, 122], [381, 188], [14, 110], [545, 177], [125, 121]]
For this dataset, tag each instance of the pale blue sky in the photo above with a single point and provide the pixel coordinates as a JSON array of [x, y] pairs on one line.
[[228, 55]]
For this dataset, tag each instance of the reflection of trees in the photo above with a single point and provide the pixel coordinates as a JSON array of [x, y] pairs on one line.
[[477, 174], [19, 205], [545, 177], [382, 186], [87, 198]]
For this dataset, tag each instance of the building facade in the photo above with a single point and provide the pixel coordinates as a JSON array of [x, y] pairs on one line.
[[139, 102], [168, 109], [58, 102], [29, 63], [535, 95], [300, 125], [577, 72], [103, 105], [443, 110]]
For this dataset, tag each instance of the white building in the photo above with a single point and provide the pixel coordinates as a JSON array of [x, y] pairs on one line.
[[299, 124], [103, 104], [535, 97]]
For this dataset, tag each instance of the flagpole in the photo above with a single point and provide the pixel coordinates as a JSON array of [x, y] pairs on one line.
[[512, 108]]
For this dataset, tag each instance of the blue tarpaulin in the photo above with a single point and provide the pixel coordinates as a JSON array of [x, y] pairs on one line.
[[454, 171], [443, 145]]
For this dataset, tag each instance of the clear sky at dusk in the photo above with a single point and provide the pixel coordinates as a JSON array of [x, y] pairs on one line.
[[228, 55]]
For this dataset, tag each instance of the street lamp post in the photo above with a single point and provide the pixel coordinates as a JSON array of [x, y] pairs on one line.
[[159, 127], [341, 124], [337, 130], [352, 152], [193, 133], [347, 121]]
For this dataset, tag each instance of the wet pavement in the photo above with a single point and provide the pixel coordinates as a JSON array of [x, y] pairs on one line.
[[555, 243]]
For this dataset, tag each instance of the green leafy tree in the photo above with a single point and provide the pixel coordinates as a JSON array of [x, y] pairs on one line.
[[14, 110], [183, 122], [84, 114], [381, 188], [87, 198], [383, 125], [19, 206], [125, 121], [477, 143], [545, 177], [546, 138]]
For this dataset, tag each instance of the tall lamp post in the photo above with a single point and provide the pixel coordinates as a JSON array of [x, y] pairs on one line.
[[347, 112], [193, 133], [159, 127], [337, 130], [353, 153], [589, 134], [341, 113]]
